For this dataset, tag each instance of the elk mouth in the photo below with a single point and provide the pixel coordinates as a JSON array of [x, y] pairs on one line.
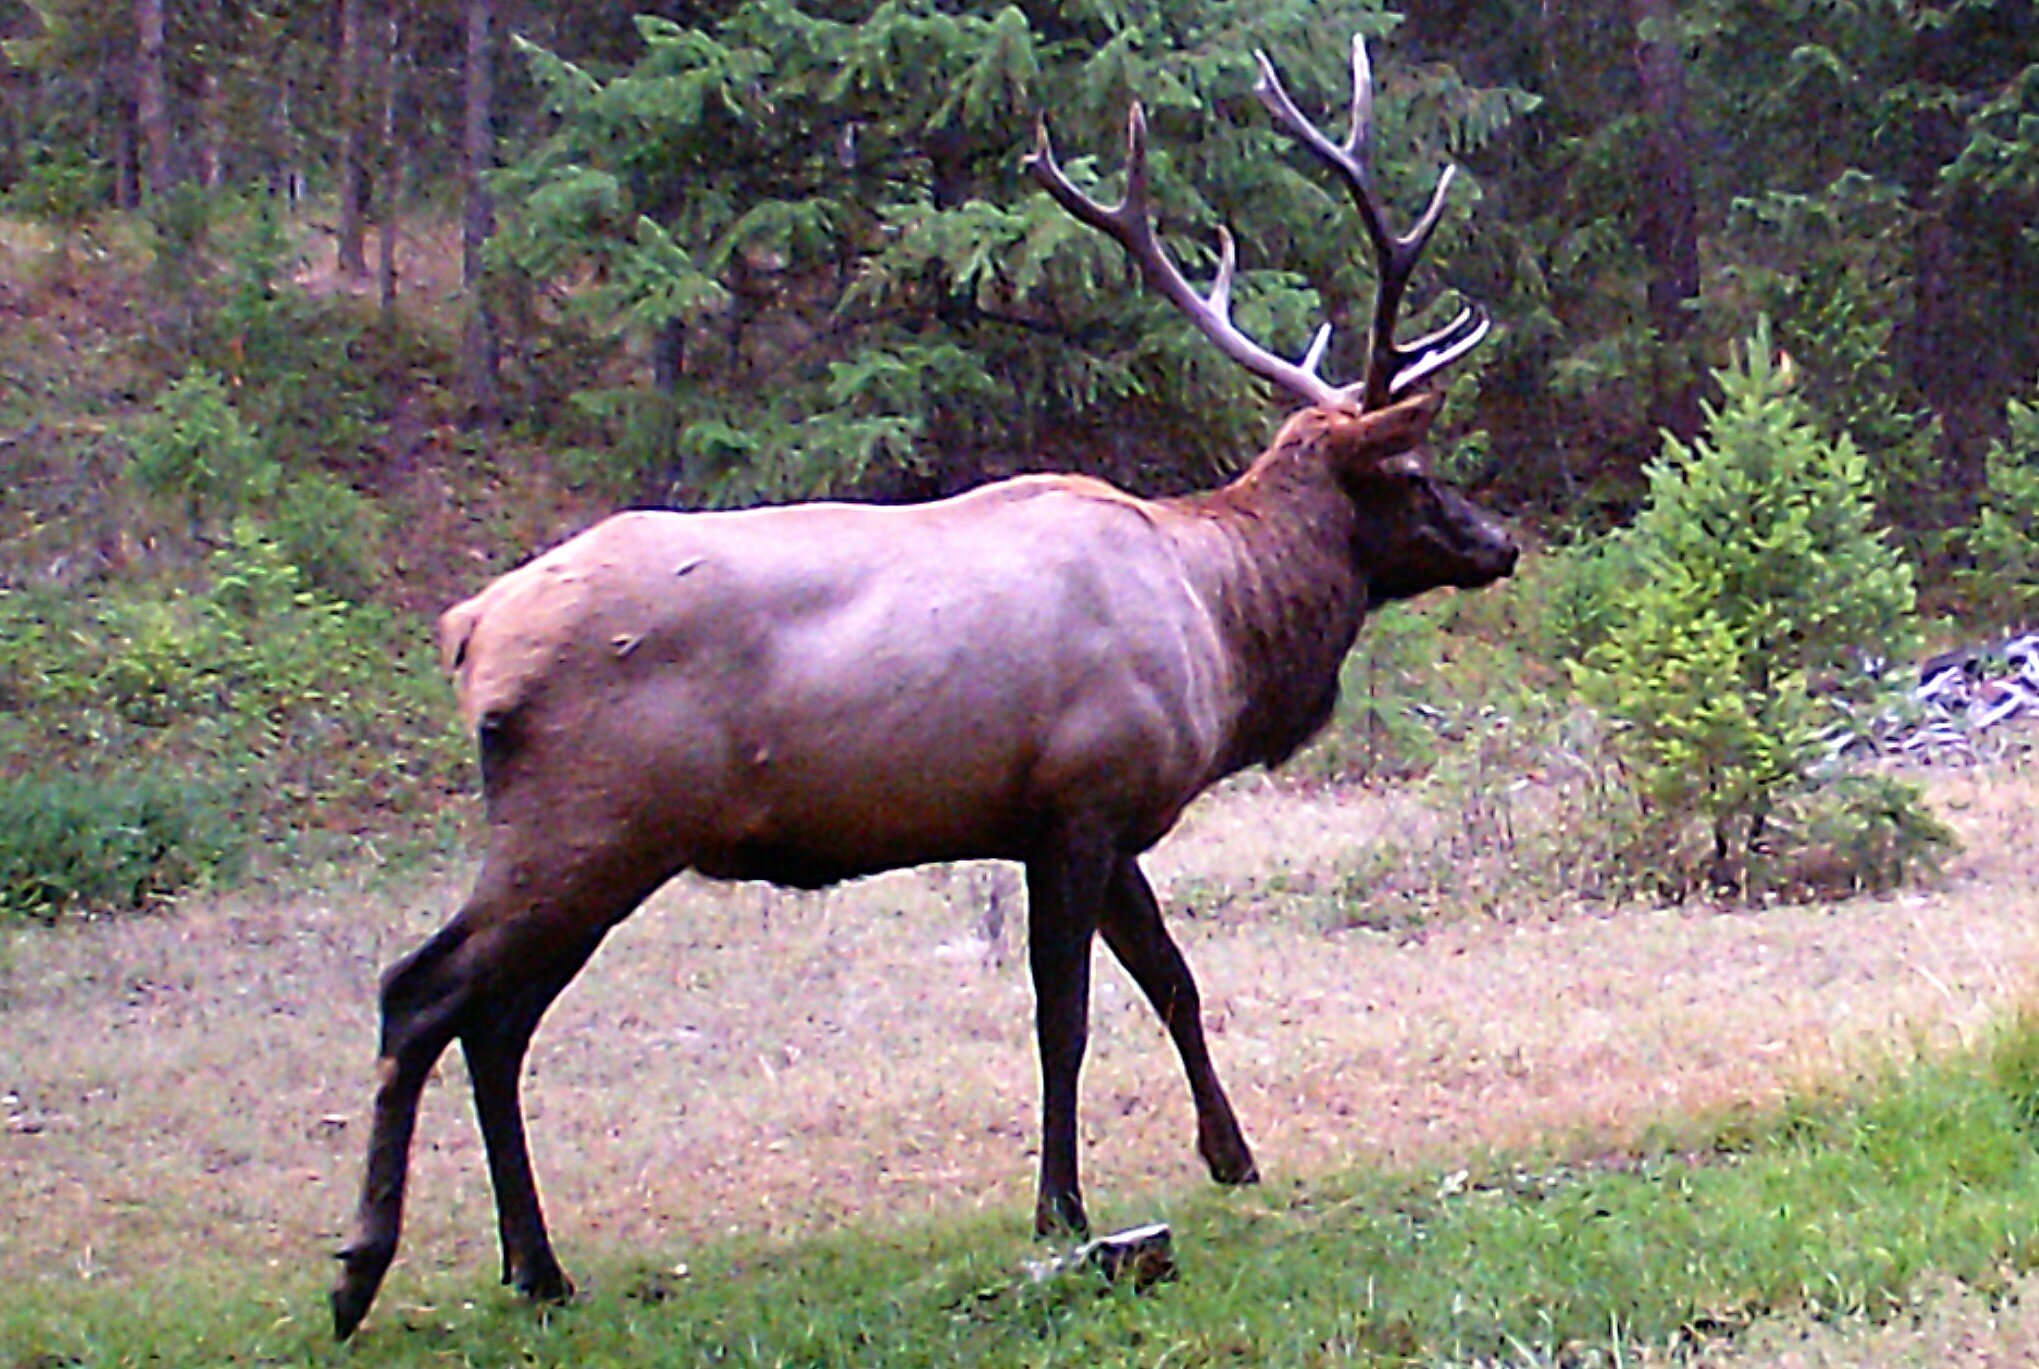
[[1489, 566], [1481, 563]]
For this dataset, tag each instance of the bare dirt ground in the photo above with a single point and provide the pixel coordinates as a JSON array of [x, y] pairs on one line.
[[738, 1059]]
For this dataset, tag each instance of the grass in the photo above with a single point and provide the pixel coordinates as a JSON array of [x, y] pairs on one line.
[[1838, 1206], [823, 1105]]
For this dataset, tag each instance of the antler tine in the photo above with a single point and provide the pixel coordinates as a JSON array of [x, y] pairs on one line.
[[1133, 227], [1348, 159], [1319, 345], [1390, 369], [1359, 136], [1432, 353]]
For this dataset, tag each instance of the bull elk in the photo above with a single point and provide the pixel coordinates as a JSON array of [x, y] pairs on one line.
[[1045, 670]]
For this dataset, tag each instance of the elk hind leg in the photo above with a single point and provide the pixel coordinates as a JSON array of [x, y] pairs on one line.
[[422, 997], [495, 1038], [1132, 928]]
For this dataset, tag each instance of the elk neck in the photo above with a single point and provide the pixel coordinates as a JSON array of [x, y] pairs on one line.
[[1273, 554]]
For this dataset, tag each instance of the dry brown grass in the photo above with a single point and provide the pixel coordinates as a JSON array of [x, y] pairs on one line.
[[739, 1059]]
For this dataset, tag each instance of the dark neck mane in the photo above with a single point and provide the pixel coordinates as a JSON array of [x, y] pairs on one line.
[[1272, 554]]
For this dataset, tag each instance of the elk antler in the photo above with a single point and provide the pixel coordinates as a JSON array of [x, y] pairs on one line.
[[1391, 367], [1133, 226]]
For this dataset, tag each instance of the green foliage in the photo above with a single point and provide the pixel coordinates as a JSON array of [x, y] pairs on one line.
[[316, 702], [296, 362], [827, 213], [2014, 1065], [331, 532], [194, 452], [1761, 590], [1385, 727], [1830, 268], [1855, 833], [2003, 540], [1581, 587], [308, 711], [72, 844], [62, 186]]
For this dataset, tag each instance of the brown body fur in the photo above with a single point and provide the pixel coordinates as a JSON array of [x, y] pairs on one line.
[[1046, 670]]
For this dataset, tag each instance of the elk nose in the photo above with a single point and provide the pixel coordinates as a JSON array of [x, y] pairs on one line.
[[1495, 555]]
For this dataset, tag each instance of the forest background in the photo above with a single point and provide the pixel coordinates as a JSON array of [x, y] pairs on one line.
[[318, 313]]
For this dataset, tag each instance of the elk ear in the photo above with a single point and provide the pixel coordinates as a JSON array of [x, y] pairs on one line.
[[1368, 441]]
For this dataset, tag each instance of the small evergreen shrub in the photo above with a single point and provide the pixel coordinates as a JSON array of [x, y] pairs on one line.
[[1857, 833], [1759, 588], [1386, 724], [73, 845], [63, 186], [195, 452], [2003, 583], [331, 532]]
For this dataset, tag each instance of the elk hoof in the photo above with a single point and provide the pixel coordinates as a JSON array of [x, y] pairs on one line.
[[362, 1268], [1229, 1161], [546, 1283], [1060, 1214]]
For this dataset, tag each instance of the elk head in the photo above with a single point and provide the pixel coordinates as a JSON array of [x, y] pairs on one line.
[[1416, 531]]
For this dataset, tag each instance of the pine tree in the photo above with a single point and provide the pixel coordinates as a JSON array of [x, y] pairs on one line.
[[820, 231], [1761, 597], [2003, 583]]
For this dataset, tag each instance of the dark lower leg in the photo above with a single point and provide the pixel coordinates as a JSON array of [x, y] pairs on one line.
[[1132, 927], [1062, 987], [421, 999], [495, 1063], [1063, 886], [378, 1220]]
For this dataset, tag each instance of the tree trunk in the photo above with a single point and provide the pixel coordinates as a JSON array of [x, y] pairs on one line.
[[478, 352], [283, 168], [1939, 366], [1668, 219], [353, 261], [391, 156], [119, 77], [152, 108], [669, 357], [212, 119]]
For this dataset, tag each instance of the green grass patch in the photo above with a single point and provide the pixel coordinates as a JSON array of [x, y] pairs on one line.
[[1836, 1208]]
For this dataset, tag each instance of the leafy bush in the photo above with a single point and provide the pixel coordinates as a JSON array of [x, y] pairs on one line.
[[330, 531], [72, 844], [306, 711], [195, 451], [1759, 590], [321, 704]]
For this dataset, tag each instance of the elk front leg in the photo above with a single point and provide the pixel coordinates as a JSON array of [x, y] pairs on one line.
[[1064, 886], [1132, 927]]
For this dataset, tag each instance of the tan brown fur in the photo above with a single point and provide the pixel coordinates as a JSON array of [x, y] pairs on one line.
[[1046, 670]]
